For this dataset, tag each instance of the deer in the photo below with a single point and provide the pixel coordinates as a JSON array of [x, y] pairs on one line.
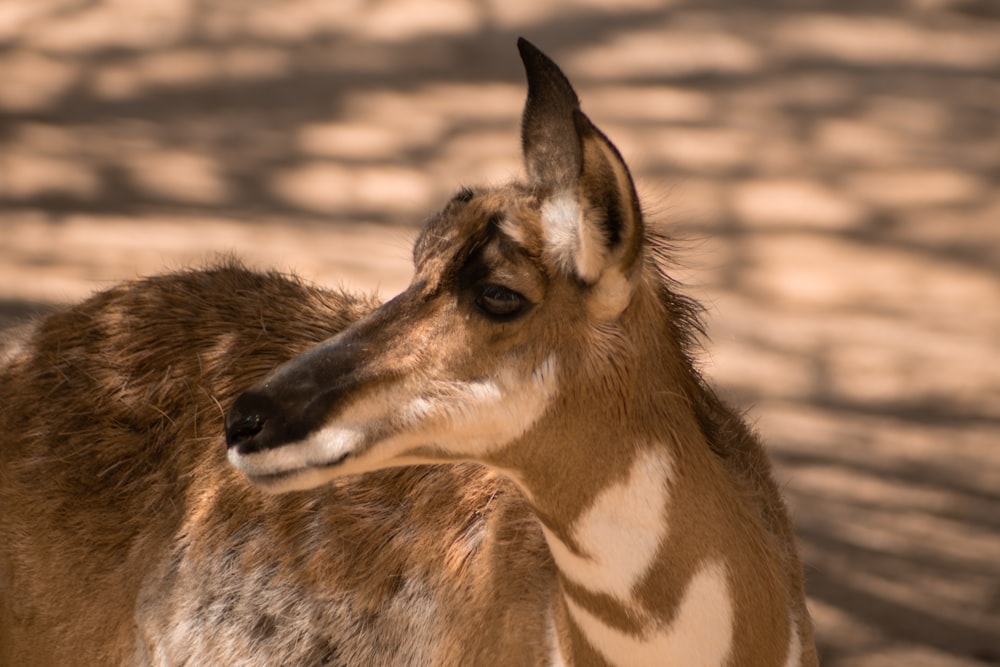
[[515, 461]]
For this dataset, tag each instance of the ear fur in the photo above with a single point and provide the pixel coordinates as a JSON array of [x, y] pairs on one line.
[[553, 154], [590, 212]]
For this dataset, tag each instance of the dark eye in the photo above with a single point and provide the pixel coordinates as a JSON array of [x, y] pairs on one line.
[[500, 302]]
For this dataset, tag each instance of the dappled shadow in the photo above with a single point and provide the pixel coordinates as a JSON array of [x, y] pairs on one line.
[[898, 523], [833, 167]]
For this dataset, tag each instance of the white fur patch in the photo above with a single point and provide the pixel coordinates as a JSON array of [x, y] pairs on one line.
[[621, 532], [794, 657], [470, 419], [514, 231], [461, 419], [573, 243], [556, 658], [305, 459], [700, 635]]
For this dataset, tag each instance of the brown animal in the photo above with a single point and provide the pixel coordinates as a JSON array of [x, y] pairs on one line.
[[513, 462]]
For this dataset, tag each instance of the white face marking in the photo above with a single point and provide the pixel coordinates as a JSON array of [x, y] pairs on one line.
[[621, 532], [700, 635], [471, 419], [514, 231], [460, 419], [314, 450], [573, 243], [576, 246]]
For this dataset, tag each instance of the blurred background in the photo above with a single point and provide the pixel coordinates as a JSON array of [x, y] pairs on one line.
[[832, 168]]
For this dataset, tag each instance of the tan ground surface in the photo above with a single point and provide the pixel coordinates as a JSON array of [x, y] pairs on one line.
[[834, 164]]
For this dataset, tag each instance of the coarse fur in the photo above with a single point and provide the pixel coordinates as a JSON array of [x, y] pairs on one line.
[[513, 462], [127, 538]]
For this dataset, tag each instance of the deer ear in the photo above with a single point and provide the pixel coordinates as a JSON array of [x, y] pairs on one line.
[[590, 213]]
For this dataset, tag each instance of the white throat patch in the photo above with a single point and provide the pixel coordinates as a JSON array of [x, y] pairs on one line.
[[700, 635], [621, 532]]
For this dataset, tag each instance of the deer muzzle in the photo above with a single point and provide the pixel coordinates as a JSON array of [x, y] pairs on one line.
[[297, 399]]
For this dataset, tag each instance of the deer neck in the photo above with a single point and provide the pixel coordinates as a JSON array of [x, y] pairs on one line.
[[609, 549], [651, 549]]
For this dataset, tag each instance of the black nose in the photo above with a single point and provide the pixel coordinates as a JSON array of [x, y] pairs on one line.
[[250, 422]]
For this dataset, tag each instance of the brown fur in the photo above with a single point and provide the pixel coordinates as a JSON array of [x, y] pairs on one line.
[[119, 517]]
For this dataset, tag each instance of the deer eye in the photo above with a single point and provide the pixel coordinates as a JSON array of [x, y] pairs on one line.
[[500, 302]]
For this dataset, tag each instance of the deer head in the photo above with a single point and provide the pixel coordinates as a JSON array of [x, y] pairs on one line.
[[519, 292]]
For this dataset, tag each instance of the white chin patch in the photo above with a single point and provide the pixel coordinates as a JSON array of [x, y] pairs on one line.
[[277, 468]]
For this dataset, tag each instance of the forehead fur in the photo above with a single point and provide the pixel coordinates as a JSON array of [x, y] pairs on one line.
[[469, 220]]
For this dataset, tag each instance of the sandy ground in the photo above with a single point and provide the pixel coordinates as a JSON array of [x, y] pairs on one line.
[[834, 167]]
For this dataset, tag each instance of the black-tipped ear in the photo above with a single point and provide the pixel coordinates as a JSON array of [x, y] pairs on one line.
[[553, 155], [590, 211]]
